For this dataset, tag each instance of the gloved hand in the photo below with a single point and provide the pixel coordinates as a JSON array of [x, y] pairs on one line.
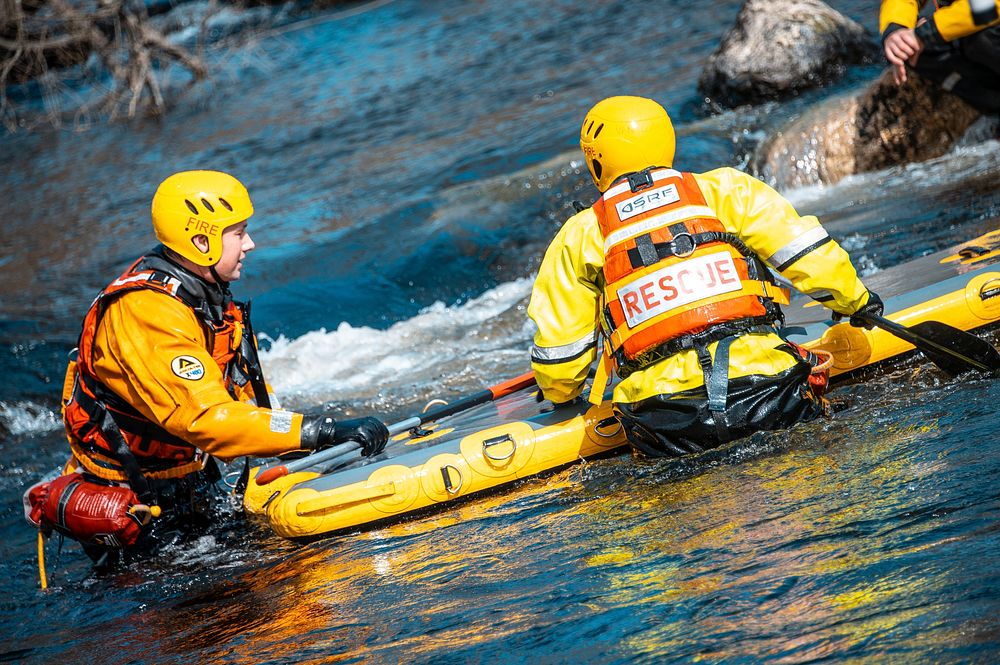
[[319, 432], [874, 307]]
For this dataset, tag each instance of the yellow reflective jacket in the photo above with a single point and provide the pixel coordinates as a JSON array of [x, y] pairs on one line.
[[952, 20], [140, 335], [565, 301]]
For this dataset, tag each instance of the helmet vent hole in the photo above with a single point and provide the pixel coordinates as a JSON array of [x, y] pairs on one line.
[[590, 127], [596, 165], [599, 128], [225, 204], [191, 206], [207, 205]]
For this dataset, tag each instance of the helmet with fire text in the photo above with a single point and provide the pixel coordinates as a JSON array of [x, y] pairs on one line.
[[623, 135], [198, 203]]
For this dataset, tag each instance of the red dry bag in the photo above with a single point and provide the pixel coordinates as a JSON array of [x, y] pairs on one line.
[[85, 511]]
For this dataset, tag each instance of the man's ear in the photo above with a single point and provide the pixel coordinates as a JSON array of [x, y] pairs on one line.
[[200, 242]]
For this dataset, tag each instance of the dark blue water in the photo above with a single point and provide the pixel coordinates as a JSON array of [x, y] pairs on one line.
[[409, 164]]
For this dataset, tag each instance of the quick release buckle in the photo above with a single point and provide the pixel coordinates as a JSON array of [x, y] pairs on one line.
[[640, 180]]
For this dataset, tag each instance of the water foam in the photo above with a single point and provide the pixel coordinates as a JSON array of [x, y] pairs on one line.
[[27, 418], [359, 363], [955, 167]]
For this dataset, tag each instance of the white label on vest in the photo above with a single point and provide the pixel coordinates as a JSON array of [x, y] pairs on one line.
[[651, 200], [678, 285], [187, 367]]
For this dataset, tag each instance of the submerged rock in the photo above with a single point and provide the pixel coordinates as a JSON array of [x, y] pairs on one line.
[[778, 47], [881, 126]]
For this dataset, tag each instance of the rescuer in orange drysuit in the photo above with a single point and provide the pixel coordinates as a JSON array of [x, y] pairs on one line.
[[668, 269], [167, 376]]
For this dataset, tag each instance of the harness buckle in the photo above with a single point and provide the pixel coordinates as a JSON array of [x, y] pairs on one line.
[[640, 180], [683, 248]]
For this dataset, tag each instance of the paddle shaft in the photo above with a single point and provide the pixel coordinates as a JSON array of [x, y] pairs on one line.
[[975, 353], [335, 452]]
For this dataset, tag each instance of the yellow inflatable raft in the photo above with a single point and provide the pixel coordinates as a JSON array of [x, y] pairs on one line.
[[516, 437]]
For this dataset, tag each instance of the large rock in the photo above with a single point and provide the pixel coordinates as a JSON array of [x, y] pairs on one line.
[[779, 47], [881, 126]]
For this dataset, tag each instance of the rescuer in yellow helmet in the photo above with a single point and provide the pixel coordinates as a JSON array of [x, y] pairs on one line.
[[957, 46], [668, 271], [167, 376]]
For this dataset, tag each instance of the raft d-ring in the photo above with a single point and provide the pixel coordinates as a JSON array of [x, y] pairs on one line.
[[990, 289], [433, 402], [448, 487], [601, 424], [496, 441]]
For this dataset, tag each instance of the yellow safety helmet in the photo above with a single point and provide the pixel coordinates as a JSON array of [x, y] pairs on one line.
[[193, 203], [623, 135]]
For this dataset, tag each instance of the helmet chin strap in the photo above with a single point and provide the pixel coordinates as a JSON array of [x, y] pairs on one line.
[[218, 280]]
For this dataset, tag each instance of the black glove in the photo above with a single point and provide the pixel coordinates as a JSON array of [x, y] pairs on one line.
[[873, 307], [319, 432]]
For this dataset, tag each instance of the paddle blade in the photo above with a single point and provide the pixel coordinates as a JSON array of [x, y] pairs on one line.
[[953, 350]]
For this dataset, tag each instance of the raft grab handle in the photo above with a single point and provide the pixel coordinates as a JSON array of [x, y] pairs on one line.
[[448, 486], [990, 289], [495, 441], [599, 428]]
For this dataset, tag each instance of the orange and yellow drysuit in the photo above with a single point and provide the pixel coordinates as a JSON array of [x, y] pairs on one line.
[[165, 359], [951, 20], [583, 287], [958, 55]]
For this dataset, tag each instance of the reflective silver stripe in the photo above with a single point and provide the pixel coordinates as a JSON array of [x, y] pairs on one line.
[[657, 221], [555, 354], [788, 252], [820, 295], [623, 186]]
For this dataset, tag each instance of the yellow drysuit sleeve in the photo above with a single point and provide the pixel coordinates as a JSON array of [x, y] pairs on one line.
[[798, 248], [900, 12], [565, 306], [140, 336], [950, 22]]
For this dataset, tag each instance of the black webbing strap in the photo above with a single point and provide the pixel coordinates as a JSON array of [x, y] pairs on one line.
[[125, 416], [683, 243], [716, 375], [250, 361], [113, 434], [647, 251]]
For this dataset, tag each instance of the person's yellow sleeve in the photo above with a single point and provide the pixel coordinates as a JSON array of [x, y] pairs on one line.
[[564, 305], [900, 12], [798, 248], [955, 21], [136, 350]]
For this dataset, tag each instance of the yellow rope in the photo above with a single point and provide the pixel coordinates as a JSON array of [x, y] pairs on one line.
[[41, 561]]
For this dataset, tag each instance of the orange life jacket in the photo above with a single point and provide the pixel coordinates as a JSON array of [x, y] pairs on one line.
[[674, 277], [112, 439]]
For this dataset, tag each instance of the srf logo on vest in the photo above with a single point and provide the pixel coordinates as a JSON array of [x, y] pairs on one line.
[[187, 367]]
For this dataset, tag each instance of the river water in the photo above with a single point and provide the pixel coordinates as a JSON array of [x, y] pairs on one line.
[[409, 162]]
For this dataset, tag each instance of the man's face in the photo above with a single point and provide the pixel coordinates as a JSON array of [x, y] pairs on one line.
[[236, 243]]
